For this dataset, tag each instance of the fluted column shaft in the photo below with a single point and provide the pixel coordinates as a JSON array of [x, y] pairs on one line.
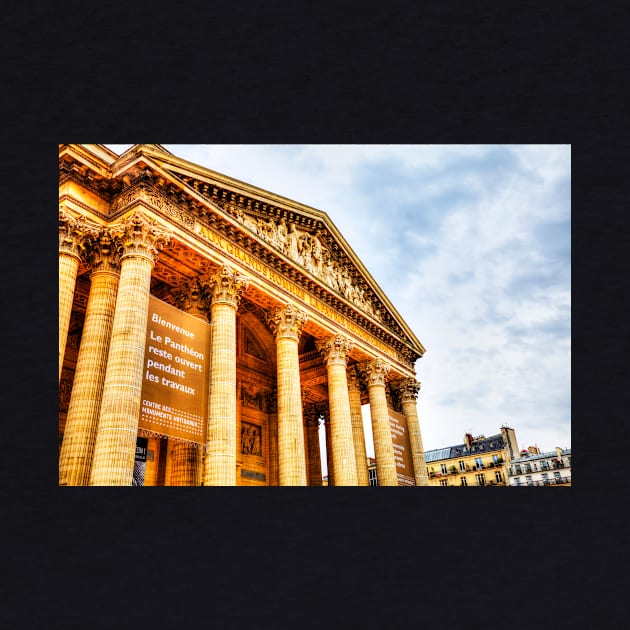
[[220, 461], [409, 391], [75, 459], [185, 460], [72, 234], [381, 431], [115, 446], [329, 451], [335, 351], [358, 434], [68, 268], [287, 324]]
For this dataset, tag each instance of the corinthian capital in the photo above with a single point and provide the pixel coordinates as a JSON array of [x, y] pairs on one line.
[[335, 350], [74, 232], [140, 236], [354, 378], [408, 388], [375, 371], [227, 286], [311, 415], [193, 297], [103, 251], [287, 321]]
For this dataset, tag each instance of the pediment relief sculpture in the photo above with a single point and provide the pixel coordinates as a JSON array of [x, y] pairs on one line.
[[308, 250]]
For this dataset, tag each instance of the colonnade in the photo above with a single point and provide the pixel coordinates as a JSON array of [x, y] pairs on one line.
[[99, 441]]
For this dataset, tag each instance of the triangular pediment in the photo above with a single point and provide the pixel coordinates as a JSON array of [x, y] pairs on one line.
[[304, 236]]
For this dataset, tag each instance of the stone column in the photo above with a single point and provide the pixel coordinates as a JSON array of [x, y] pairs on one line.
[[115, 447], [354, 391], [286, 323], [227, 288], [409, 389], [75, 458], [314, 456], [72, 233], [375, 372], [335, 352], [192, 298], [329, 456]]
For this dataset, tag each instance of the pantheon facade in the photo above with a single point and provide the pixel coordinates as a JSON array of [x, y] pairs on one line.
[[210, 329]]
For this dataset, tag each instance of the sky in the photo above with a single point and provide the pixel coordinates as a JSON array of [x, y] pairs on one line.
[[472, 245]]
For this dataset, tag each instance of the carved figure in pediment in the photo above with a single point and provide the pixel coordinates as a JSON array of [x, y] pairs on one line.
[[306, 252], [282, 235], [251, 224], [293, 250], [344, 282], [267, 230], [317, 251], [328, 274]]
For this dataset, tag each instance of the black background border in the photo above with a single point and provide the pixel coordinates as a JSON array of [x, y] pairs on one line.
[[452, 72]]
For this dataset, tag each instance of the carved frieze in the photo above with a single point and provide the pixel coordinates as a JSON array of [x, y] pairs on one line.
[[253, 396], [307, 249], [251, 439], [143, 191]]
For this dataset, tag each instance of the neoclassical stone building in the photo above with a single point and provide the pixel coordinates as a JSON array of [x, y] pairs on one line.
[[209, 329]]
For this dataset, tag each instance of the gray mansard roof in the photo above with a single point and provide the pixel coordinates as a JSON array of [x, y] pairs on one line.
[[479, 447]]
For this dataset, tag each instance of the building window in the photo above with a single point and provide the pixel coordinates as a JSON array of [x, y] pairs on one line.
[[481, 479], [545, 478], [372, 476], [478, 462], [517, 469], [528, 480], [557, 477], [462, 466], [499, 476], [463, 481], [544, 464], [517, 481], [495, 459], [444, 482], [443, 468], [528, 467]]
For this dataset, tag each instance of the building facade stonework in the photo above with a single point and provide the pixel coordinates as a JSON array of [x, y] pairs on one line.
[[300, 335]]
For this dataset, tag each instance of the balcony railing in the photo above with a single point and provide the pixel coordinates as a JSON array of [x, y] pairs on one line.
[[547, 482]]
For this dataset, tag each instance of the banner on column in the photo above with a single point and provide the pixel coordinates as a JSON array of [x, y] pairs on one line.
[[140, 463], [402, 448], [175, 374]]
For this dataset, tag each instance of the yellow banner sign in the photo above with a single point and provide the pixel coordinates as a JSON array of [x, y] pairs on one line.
[[402, 448], [175, 379]]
